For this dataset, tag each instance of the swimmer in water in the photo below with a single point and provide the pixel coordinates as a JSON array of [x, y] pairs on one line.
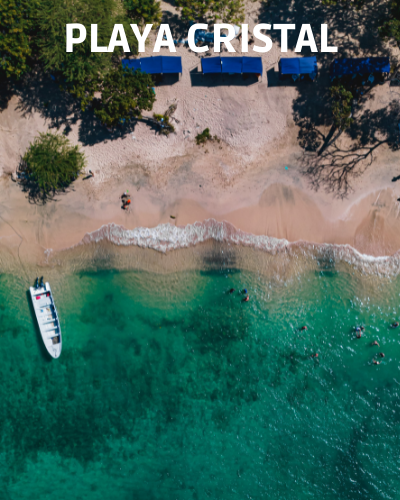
[[395, 324], [375, 342], [314, 355], [246, 299], [381, 354], [376, 362], [303, 328], [231, 290], [244, 291]]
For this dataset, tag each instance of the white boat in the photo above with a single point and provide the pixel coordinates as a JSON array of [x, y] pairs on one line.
[[47, 317]]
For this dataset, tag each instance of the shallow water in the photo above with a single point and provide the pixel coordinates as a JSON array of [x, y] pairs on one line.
[[168, 387]]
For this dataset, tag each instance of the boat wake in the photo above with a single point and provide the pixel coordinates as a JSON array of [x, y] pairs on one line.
[[167, 237]]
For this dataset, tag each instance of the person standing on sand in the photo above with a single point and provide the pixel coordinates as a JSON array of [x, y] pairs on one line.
[[125, 204]]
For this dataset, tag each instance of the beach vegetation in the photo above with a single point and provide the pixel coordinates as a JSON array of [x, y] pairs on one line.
[[81, 72], [15, 31], [124, 95], [205, 136], [144, 11], [50, 164], [341, 107], [355, 4], [164, 123], [391, 26], [211, 11]]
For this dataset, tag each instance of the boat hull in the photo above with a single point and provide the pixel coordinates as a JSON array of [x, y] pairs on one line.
[[47, 319]]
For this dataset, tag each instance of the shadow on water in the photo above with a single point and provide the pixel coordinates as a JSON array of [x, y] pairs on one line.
[[42, 349]]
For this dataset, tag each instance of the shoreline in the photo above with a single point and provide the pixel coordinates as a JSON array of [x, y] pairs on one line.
[[285, 228]]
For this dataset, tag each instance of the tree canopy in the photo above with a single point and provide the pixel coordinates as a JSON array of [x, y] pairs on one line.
[[144, 11], [50, 164], [16, 22], [81, 71], [227, 11], [391, 27], [341, 106], [124, 95]]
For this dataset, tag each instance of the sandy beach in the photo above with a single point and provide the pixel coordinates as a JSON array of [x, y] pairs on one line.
[[258, 177]]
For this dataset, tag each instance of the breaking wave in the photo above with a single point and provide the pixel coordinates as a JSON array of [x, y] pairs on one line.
[[167, 237]]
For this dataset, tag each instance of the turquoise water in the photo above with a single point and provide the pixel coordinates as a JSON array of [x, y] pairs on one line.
[[170, 388]]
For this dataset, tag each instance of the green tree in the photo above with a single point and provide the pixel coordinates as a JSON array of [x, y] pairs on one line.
[[341, 106], [354, 4], [391, 27], [144, 11], [81, 72], [125, 94], [15, 28], [51, 164], [227, 11]]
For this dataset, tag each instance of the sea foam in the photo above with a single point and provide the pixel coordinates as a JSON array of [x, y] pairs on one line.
[[167, 237]]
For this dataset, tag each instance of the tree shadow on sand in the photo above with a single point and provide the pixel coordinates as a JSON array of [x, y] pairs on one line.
[[336, 168], [6, 92], [38, 93], [35, 195], [355, 33]]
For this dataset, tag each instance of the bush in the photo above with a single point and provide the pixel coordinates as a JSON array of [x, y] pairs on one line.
[[80, 72], [51, 164], [341, 106], [163, 121], [205, 136], [125, 94], [144, 11], [391, 27], [15, 31], [227, 11]]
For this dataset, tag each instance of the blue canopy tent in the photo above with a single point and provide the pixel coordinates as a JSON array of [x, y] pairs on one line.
[[296, 66], [155, 65], [232, 65], [360, 66]]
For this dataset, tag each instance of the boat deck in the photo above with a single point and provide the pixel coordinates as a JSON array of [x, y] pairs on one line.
[[47, 318]]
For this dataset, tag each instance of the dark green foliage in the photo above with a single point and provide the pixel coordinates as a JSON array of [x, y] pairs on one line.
[[144, 11], [391, 27], [51, 164], [354, 4], [125, 94], [80, 72], [15, 29], [163, 121], [341, 106], [205, 136], [228, 11]]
